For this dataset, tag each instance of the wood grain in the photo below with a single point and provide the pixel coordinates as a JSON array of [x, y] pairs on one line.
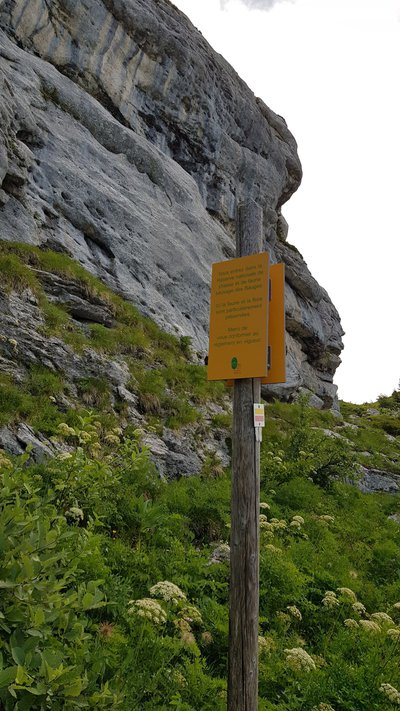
[[245, 508]]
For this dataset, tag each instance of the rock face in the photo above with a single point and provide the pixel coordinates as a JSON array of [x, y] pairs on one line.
[[376, 480], [127, 142], [24, 344]]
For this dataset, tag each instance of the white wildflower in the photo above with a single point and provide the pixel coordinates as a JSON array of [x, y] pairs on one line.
[[382, 618], [279, 524], [167, 591], [4, 460], [346, 592], [273, 549], [393, 632], [148, 609], [295, 524], [369, 626], [359, 608], [112, 439], [190, 613], [330, 600], [326, 518], [299, 520], [85, 437], [75, 513], [264, 505], [392, 694], [294, 612], [66, 430], [267, 526], [350, 623], [298, 659], [265, 644], [396, 606]]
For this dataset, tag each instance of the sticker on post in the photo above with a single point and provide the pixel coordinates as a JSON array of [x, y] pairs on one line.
[[259, 420]]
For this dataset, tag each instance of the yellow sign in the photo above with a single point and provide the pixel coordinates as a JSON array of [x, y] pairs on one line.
[[239, 318], [276, 326]]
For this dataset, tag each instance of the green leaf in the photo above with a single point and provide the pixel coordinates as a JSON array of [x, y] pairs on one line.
[[38, 690], [34, 633], [18, 655], [22, 677], [52, 673], [87, 600], [28, 567], [7, 676], [39, 617], [75, 689]]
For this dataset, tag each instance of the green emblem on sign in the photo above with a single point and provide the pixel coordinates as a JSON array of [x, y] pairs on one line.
[[234, 363]]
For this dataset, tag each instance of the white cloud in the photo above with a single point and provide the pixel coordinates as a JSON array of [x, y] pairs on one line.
[[256, 4]]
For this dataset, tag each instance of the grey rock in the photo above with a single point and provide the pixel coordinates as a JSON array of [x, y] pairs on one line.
[[174, 454], [16, 440], [9, 442], [395, 517], [178, 453], [40, 448], [372, 411], [127, 142], [221, 554], [282, 228], [128, 396], [332, 435], [376, 480], [26, 344], [74, 295]]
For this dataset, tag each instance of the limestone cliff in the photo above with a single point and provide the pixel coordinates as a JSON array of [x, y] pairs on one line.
[[126, 141]]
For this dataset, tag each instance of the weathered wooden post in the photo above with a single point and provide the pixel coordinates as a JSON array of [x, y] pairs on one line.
[[247, 347], [245, 508]]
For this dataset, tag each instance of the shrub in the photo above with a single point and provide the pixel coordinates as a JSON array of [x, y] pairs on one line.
[[45, 628]]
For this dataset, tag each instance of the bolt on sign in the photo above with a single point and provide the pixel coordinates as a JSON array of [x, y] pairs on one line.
[[241, 344], [238, 318]]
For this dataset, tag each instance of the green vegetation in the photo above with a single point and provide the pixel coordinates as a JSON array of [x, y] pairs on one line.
[[169, 386], [111, 596], [373, 430], [110, 600]]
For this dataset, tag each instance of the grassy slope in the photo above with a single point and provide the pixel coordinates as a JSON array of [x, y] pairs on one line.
[[170, 387], [72, 632]]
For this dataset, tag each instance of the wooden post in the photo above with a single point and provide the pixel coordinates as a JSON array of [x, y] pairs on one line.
[[245, 509]]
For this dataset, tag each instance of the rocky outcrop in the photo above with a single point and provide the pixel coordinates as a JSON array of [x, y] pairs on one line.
[[127, 142], [376, 480], [26, 343]]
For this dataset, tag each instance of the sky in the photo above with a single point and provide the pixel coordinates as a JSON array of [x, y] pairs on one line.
[[330, 68]]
